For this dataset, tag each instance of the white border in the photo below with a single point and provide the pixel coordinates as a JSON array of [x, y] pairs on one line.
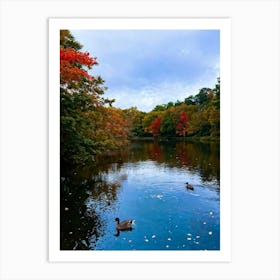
[[24, 150], [224, 254]]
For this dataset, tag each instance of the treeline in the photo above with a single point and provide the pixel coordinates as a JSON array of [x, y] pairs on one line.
[[90, 125], [197, 115]]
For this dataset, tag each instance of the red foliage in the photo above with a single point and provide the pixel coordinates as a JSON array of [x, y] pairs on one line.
[[182, 124], [71, 62], [155, 126]]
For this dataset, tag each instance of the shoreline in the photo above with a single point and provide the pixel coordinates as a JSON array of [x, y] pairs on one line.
[[204, 139]]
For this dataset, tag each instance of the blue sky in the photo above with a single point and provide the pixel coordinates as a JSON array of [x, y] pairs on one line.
[[144, 68]]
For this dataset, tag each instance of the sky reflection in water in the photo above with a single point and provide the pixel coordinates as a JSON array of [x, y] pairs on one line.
[[150, 188]]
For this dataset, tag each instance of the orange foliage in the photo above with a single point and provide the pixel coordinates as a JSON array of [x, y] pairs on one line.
[[71, 63]]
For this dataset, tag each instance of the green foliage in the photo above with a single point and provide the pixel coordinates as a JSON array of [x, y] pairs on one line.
[[202, 97], [135, 119], [67, 40], [160, 108], [202, 111], [149, 118], [87, 126], [90, 125], [189, 100]]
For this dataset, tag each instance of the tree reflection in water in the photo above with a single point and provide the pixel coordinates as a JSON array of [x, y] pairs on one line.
[[87, 191], [81, 226]]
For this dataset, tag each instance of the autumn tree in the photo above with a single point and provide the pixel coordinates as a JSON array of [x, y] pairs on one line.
[[86, 123], [155, 127], [168, 122], [182, 124], [134, 119], [72, 63], [149, 118], [198, 115]]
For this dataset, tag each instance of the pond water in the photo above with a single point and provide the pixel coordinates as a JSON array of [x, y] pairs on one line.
[[147, 183]]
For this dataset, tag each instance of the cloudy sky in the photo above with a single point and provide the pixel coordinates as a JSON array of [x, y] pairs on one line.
[[144, 68]]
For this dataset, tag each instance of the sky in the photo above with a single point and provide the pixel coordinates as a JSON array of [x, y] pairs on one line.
[[145, 68]]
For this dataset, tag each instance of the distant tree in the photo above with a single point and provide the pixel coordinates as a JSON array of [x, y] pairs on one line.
[[169, 105], [160, 108], [189, 100], [178, 103], [149, 118], [155, 127], [168, 122], [134, 119], [199, 124], [217, 89], [214, 120], [202, 96], [182, 124]]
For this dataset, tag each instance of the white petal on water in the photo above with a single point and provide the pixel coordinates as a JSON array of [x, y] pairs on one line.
[[169, 238], [159, 196], [146, 240], [154, 236], [196, 242], [204, 223], [129, 241], [211, 213], [189, 238], [197, 236], [167, 246], [189, 234], [210, 232]]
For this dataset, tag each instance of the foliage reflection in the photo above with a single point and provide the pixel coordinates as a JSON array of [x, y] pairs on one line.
[[86, 191]]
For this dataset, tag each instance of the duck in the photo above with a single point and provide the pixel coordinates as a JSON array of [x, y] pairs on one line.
[[124, 225], [189, 187]]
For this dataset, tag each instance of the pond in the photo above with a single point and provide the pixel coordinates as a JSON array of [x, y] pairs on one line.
[[145, 182]]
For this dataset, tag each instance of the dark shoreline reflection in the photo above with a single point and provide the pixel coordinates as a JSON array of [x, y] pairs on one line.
[[88, 191]]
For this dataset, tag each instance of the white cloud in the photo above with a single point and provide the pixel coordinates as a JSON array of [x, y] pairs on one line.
[[146, 68], [145, 99]]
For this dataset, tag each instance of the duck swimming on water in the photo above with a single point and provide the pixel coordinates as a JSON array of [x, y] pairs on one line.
[[189, 187], [124, 225]]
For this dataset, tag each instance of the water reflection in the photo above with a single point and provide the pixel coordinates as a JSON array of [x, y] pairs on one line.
[[92, 195], [79, 222]]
